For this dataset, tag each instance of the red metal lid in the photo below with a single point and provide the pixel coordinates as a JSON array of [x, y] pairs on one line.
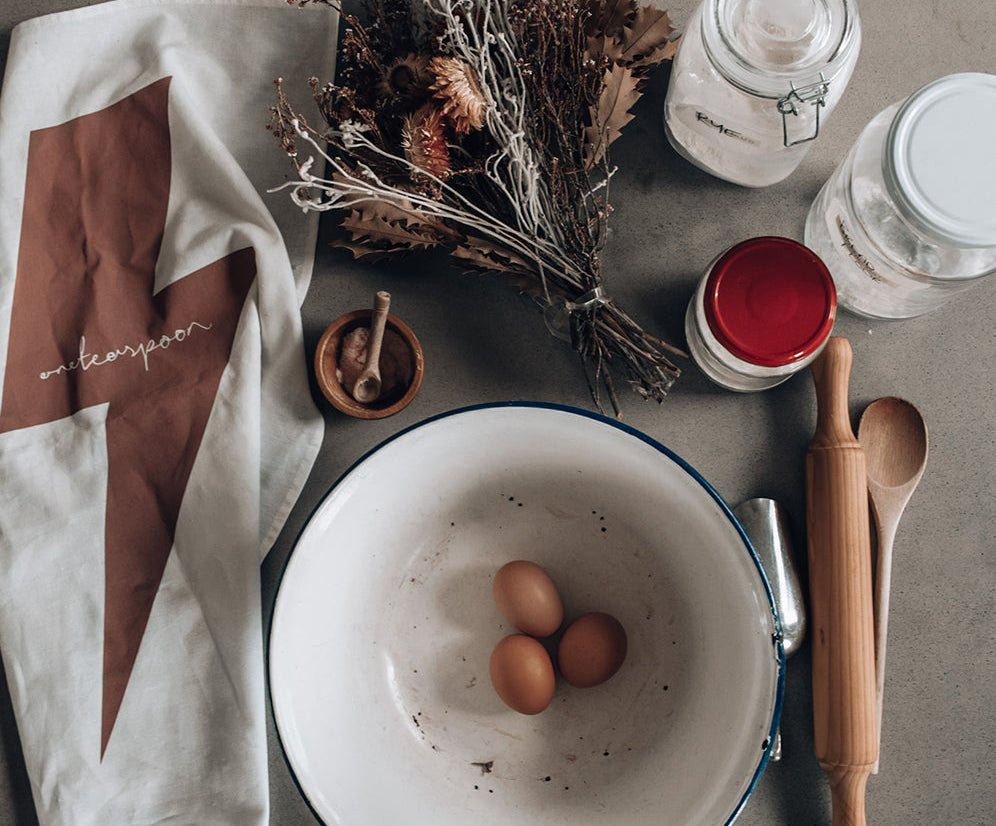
[[770, 301]]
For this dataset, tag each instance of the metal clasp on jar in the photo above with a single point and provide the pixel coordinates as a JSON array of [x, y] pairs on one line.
[[814, 93]]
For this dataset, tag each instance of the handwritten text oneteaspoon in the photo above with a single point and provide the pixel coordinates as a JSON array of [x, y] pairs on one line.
[[142, 349]]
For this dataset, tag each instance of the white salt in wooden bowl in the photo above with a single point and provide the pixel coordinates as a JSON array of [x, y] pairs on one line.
[[328, 352]]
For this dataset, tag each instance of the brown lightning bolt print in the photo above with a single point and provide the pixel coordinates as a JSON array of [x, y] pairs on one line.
[[88, 328]]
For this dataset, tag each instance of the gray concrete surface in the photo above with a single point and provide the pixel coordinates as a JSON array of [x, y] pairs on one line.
[[483, 343]]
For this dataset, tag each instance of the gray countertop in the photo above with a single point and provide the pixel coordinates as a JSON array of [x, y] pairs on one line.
[[483, 342]]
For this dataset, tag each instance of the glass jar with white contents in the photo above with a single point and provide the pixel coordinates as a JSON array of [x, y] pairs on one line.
[[753, 82], [761, 313], [908, 219]]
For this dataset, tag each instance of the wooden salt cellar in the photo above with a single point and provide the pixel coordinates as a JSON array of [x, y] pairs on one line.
[[840, 587]]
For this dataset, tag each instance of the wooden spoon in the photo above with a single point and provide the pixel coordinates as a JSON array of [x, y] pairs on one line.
[[893, 436], [368, 384]]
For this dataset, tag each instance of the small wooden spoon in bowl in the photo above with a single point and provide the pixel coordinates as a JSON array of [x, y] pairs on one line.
[[893, 435], [368, 383]]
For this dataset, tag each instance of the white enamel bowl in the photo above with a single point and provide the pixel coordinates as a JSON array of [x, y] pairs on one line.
[[384, 624]]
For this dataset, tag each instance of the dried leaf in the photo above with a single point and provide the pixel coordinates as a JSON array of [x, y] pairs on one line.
[[649, 32], [609, 16], [644, 39], [482, 255], [620, 91], [382, 206], [387, 210], [490, 256], [374, 229], [367, 253], [604, 45]]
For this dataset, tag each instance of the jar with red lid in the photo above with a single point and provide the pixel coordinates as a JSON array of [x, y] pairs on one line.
[[763, 311]]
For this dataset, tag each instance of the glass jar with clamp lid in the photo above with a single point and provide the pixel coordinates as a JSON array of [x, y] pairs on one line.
[[754, 81]]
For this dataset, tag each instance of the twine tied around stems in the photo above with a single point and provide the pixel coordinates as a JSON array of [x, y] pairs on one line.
[[561, 315]]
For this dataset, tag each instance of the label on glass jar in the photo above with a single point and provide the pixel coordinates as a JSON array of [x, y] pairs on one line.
[[715, 124], [860, 260]]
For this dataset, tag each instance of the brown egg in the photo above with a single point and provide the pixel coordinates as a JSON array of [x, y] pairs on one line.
[[528, 599], [591, 650], [522, 674]]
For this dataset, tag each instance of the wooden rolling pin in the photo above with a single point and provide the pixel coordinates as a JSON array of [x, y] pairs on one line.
[[840, 592]]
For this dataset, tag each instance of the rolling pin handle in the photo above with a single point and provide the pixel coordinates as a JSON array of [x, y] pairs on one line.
[[831, 375], [847, 792]]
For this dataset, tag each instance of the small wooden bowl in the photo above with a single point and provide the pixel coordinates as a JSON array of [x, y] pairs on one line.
[[327, 359]]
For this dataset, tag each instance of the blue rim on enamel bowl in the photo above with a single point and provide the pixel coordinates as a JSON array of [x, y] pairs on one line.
[[383, 625]]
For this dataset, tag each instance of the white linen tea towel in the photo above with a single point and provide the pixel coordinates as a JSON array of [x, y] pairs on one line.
[[156, 424]]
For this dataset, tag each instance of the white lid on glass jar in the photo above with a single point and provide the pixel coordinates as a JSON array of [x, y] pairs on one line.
[[769, 47], [939, 161]]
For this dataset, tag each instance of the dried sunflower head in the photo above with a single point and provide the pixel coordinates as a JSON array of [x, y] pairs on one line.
[[406, 77], [457, 87], [423, 139]]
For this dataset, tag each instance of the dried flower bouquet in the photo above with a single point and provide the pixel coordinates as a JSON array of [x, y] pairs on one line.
[[483, 127]]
